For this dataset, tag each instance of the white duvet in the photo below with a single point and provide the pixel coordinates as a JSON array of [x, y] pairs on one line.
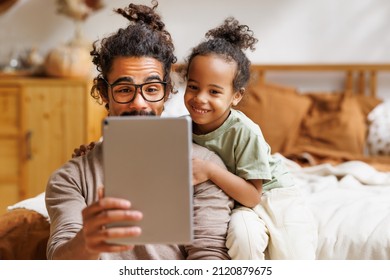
[[351, 203]]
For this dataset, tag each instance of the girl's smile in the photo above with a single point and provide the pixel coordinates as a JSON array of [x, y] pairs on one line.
[[209, 93]]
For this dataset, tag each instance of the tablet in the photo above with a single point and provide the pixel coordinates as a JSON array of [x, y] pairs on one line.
[[147, 160]]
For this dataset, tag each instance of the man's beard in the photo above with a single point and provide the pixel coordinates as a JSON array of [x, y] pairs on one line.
[[138, 113]]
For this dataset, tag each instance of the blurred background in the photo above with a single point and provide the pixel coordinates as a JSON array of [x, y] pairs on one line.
[[53, 38], [289, 31]]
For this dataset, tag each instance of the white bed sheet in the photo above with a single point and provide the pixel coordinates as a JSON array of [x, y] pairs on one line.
[[351, 204]]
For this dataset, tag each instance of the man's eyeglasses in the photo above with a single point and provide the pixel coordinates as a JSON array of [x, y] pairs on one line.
[[124, 92]]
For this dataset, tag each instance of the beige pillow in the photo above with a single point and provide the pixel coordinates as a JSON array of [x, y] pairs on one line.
[[278, 110]]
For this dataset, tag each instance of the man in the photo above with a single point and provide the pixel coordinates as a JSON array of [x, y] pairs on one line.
[[134, 66]]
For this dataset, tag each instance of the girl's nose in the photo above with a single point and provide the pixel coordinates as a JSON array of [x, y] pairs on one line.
[[201, 97]]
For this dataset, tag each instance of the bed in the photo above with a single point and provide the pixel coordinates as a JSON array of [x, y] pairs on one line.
[[334, 141]]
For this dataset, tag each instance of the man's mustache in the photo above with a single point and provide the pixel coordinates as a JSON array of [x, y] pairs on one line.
[[138, 113]]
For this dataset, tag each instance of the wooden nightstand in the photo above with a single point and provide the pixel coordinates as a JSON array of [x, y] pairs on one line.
[[42, 121]]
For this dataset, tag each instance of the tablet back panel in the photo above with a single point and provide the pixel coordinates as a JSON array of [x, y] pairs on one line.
[[147, 160]]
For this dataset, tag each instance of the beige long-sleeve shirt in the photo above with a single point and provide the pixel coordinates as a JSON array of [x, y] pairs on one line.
[[74, 186]]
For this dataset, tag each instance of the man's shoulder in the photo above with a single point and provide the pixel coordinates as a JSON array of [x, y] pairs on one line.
[[81, 163], [206, 154], [200, 151]]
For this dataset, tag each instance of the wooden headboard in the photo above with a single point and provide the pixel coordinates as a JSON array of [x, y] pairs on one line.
[[361, 76]]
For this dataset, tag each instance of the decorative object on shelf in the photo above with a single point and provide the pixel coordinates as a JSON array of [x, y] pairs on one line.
[[68, 60], [24, 62], [78, 11], [73, 59], [6, 5]]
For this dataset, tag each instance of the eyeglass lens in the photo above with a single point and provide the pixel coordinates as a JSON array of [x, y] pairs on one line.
[[125, 92]]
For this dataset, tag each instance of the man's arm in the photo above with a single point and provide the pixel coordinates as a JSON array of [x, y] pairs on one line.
[[90, 241], [78, 213], [212, 209]]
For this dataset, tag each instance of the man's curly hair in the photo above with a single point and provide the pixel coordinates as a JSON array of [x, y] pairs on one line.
[[145, 36]]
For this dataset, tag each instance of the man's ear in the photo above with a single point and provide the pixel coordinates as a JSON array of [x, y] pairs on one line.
[[238, 96], [167, 95], [102, 89], [105, 102], [104, 99], [104, 95]]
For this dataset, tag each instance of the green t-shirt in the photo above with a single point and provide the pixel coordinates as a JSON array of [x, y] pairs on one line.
[[241, 145]]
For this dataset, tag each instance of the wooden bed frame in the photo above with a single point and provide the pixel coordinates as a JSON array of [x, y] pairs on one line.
[[361, 76]]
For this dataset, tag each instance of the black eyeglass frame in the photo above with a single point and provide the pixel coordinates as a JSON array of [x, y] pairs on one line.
[[136, 87]]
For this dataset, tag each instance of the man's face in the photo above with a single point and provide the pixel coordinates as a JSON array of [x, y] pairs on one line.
[[138, 70]]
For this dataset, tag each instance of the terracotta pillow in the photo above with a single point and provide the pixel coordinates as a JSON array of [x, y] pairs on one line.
[[278, 110], [335, 126], [367, 103], [23, 235]]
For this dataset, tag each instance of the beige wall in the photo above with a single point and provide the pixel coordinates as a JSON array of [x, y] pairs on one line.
[[290, 31]]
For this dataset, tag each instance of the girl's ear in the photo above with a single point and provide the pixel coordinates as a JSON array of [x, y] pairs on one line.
[[238, 96]]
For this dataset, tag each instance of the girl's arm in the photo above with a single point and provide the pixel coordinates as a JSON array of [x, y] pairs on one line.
[[245, 192]]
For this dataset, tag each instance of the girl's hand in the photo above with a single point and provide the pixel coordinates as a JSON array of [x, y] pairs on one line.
[[200, 171], [83, 149]]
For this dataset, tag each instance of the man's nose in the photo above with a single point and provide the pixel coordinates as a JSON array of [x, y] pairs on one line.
[[138, 102]]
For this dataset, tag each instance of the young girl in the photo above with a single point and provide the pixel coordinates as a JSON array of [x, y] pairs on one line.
[[270, 212]]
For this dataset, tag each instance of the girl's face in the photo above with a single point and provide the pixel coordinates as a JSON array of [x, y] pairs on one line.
[[209, 93]]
